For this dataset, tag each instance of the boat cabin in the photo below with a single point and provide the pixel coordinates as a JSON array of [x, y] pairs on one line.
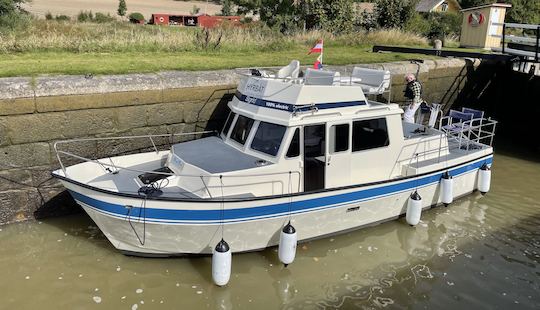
[[286, 134]]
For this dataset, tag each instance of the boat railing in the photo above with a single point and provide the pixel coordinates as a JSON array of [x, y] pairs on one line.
[[151, 138], [468, 135], [112, 168], [340, 78]]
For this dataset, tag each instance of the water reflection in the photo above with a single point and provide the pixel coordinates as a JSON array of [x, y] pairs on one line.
[[481, 252]]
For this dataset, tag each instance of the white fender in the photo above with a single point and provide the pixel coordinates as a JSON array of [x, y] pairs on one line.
[[221, 263], [447, 191], [287, 244], [484, 179], [414, 209]]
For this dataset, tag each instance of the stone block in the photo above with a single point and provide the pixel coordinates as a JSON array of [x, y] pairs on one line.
[[192, 94], [4, 137], [215, 109], [41, 176], [84, 123], [116, 147], [18, 205], [181, 79], [86, 149], [78, 84], [128, 98], [451, 72], [180, 129], [191, 112], [69, 102], [16, 87], [25, 155], [130, 117], [35, 127], [15, 179], [17, 106], [165, 113]]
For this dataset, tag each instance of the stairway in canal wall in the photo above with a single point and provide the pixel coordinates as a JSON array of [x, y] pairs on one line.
[[36, 112]]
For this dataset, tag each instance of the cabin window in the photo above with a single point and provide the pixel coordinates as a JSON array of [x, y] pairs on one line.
[[369, 134], [294, 147], [340, 138], [268, 138], [241, 129], [228, 124]]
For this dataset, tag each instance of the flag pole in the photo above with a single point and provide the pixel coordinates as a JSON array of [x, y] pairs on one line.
[[322, 51]]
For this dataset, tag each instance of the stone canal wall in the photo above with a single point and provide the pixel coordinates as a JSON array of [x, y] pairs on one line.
[[36, 112]]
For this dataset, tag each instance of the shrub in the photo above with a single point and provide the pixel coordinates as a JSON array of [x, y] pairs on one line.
[[62, 18], [85, 16], [136, 16], [11, 16], [103, 18], [48, 16], [418, 24]]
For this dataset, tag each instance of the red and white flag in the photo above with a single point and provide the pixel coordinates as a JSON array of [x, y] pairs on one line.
[[318, 48]]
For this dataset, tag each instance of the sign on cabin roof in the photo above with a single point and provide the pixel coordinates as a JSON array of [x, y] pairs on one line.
[[427, 6]]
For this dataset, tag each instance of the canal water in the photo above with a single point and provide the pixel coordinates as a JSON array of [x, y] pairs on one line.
[[479, 253]]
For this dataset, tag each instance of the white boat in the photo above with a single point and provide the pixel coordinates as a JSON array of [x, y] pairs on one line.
[[312, 151]]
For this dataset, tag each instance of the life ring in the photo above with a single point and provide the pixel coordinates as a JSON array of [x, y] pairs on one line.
[[161, 19], [476, 19]]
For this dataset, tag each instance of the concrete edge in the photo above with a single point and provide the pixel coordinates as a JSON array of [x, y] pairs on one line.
[[61, 85]]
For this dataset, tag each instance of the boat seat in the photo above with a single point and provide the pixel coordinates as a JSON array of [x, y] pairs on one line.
[[321, 77], [457, 121], [372, 81], [290, 71], [478, 115]]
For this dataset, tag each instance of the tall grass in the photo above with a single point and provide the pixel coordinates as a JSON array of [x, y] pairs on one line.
[[77, 37]]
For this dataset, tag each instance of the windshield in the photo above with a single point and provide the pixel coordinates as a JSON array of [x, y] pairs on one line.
[[228, 124], [241, 129], [268, 138]]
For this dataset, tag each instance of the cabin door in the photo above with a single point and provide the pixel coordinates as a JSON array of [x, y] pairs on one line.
[[338, 156], [314, 157]]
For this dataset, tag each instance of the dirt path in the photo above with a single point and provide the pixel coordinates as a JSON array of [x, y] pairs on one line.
[[146, 7]]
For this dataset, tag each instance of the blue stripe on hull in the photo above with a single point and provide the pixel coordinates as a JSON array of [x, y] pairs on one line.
[[242, 214]]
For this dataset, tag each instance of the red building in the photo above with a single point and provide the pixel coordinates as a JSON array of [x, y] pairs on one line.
[[205, 21]]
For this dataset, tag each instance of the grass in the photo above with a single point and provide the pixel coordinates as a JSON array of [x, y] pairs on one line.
[[53, 47], [30, 64]]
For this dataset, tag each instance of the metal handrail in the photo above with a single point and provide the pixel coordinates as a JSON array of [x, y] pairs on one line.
[[117, 168], [519, 39], [57, 143]]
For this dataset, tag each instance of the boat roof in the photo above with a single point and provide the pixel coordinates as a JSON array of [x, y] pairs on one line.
[[213, 155], [292, 102]]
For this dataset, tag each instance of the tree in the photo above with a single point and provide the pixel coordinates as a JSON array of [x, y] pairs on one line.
[[291, 15], [122, 8], [394, 13], [472, 3], [12, 15], [333, 15], [524, 12], [226, 7], [10, 6]]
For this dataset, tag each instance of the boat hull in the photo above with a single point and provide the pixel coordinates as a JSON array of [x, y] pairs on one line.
[[161, 227]]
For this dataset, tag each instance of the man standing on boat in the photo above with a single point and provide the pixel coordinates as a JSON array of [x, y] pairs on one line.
[[413, 92]]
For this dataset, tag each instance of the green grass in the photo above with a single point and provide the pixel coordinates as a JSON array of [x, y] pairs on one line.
[[37, 63]]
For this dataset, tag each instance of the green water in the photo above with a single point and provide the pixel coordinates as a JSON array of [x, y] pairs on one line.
[[479, 253]]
